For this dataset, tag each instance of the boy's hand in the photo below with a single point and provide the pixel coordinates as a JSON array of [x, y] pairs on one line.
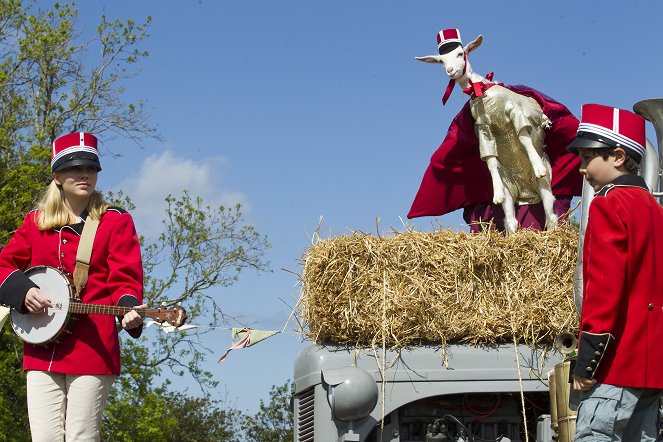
[[582, 384]]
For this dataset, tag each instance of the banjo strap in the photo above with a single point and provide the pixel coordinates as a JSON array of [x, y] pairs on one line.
[[83, 255]]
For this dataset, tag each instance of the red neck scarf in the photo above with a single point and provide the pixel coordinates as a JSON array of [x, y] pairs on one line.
[[475, 89]]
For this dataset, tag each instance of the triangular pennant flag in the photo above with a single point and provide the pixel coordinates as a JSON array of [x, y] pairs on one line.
[[247, 338], [255, 335]]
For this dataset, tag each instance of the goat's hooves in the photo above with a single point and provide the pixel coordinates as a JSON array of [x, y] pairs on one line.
[[552, 223], [510, 226], [498, 198], [540, 172]]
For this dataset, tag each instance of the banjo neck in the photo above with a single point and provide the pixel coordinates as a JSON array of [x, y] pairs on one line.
[[97, 309], [175, 316]]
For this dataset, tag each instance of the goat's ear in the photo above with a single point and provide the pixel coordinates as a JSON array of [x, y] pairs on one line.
[[430, 59], [474, 44]]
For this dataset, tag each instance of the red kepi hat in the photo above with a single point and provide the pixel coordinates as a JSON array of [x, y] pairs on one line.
[[445, 38], [75, 149], [605, 126]]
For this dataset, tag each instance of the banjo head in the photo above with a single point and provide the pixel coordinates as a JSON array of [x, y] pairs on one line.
[[41, 328]]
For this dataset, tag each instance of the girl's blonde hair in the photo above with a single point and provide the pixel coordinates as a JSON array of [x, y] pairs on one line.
[[54, 214]]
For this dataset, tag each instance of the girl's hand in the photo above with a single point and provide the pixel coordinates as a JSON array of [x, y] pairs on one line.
[[35, 302], [132, 319]]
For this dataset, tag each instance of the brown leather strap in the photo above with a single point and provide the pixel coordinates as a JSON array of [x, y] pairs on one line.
[[83, 255]]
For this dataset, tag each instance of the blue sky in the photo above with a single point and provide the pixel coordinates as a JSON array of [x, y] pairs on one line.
[[308, 109]]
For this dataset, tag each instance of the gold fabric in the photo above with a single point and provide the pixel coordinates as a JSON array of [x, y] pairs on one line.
[[501, 115]]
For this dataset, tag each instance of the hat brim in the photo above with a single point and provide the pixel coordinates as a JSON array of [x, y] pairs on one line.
[[588, 143], [448, 46], [73, 162]]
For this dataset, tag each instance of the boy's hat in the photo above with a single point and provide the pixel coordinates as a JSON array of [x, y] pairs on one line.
[[74, 149], [446, 37], [605, 126]]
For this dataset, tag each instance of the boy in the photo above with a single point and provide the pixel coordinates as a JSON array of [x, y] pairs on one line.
[[619, 368]]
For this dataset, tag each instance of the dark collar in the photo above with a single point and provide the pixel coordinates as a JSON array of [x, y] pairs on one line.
[[78, 227], [629, 179]]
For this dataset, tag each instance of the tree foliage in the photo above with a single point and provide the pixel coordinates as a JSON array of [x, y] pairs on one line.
[[51, 84], [201, 248], [140, 411], [274, 420], [13, 400]]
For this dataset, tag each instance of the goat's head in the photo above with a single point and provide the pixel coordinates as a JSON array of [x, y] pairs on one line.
[[454, 57]]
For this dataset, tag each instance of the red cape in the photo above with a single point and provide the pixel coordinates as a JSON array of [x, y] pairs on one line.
[[457, 177]]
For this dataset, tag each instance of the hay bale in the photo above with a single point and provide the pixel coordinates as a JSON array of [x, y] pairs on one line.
[[439, 287]]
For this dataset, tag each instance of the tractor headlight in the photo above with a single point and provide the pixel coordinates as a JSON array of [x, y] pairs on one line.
[[351, 392]]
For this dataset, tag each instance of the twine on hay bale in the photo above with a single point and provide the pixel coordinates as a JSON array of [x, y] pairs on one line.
[[439, 287]]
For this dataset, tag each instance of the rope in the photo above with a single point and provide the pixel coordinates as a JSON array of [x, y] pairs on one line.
[[522, 389], [383, 384]]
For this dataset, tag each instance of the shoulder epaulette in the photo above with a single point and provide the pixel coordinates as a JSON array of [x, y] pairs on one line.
[[117, 209], [605, 189]]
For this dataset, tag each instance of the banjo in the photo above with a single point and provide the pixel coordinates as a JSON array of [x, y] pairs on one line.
[[49, 327]]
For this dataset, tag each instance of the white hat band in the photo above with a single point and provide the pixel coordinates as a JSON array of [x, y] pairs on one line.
[[614, 136], [72, 149]]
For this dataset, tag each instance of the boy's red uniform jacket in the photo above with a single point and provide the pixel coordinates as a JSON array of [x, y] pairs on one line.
[[622, 311]]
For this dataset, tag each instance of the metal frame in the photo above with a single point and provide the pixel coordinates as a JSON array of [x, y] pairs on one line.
[[411, 375]]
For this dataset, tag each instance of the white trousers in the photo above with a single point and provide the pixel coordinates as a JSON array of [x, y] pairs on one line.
[[66, 407]]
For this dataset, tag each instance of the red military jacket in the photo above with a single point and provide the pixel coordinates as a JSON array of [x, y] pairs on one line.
[[115, 277], [622, 311]]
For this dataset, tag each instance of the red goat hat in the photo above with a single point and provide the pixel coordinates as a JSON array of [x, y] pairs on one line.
[[605, 126], [446, 37], [75, 149]]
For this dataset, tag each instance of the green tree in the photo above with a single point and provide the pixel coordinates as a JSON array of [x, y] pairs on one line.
[[273, 422], [50, 84], [201, 248], [202, 419], [140, 411], [13, 403]]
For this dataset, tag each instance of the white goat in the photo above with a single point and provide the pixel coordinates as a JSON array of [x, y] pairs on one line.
[[510, 128]]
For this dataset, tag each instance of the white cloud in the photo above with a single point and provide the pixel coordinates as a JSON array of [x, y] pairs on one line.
[[168, 174]]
